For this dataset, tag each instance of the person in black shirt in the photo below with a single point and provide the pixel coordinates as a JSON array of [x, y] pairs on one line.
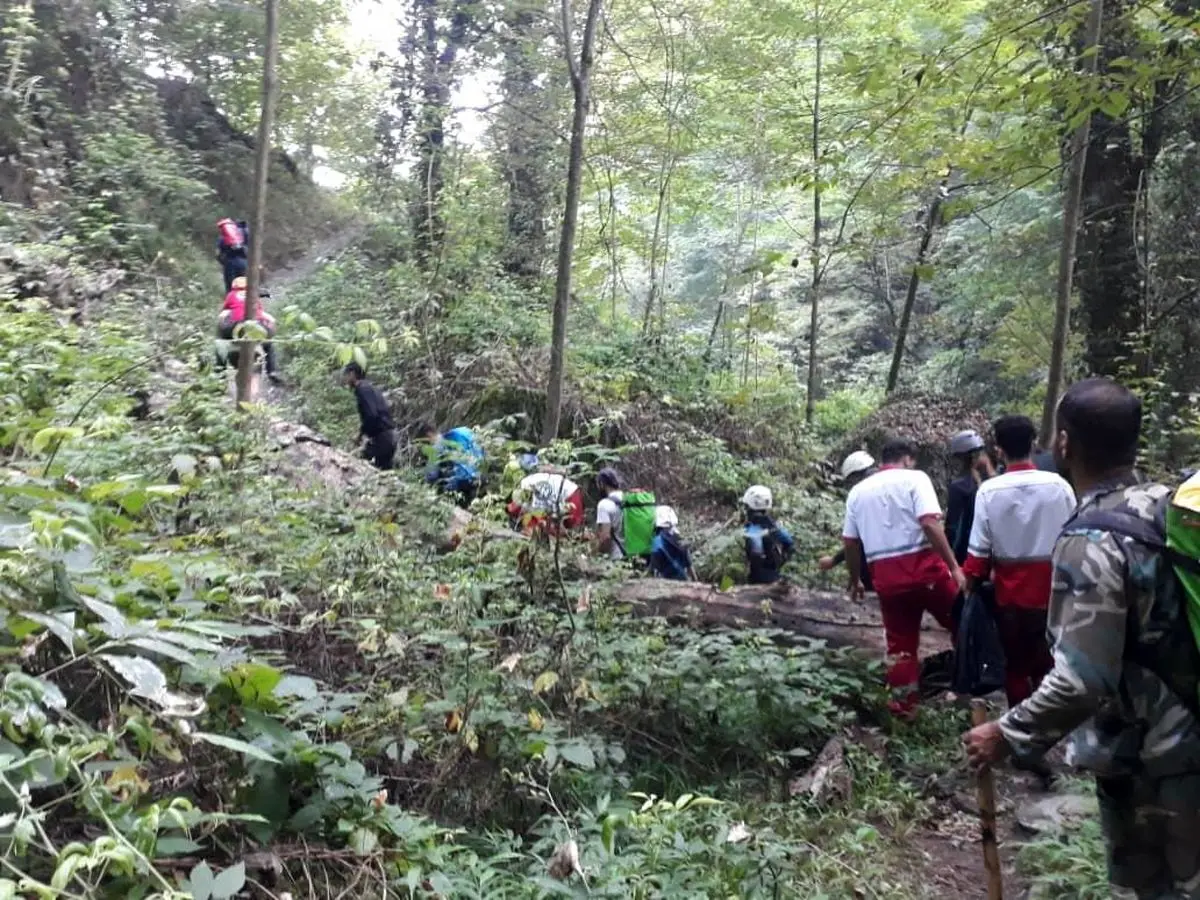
[[975, 466], [375, 416]]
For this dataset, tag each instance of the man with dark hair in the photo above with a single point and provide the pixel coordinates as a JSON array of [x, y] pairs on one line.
[[893, 520], [1018, 516], [609, 518], [1109, 617], [376, 427]]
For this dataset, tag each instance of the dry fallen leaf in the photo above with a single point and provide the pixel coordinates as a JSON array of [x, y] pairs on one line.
[[585, 599], [453, 721], [509, 663], [565, 861]]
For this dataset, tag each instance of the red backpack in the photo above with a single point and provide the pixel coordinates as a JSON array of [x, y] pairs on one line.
[[231, 234]]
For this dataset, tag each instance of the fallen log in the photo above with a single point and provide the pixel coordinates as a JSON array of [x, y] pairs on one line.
[[816, 614]]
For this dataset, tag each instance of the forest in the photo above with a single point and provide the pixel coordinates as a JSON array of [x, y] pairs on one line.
[[712, 244]]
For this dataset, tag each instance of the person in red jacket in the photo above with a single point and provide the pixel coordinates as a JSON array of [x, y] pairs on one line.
[[1018, 517], [894, 522], [233, 313]]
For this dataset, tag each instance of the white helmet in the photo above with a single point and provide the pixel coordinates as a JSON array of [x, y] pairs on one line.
[[757, 498], [664, 517], [967, 441], [858, 461]]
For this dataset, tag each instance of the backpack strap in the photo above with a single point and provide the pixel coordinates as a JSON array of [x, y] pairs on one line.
[[1148, 534]]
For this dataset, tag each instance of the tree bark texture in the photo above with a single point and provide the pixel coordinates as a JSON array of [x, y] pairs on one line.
[[429, 227], [816, 614], [1087, 163], [527, 144], [932, 217], [262, 167], [810, 400], [581, 73]]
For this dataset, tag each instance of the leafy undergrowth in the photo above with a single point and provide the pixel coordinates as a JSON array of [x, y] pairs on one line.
[[217, 683], [1069, 865]]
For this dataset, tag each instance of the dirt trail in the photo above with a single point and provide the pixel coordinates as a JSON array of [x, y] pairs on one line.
[[301, 268]]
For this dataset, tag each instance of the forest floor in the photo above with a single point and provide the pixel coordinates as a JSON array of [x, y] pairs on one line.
[[941, 856]]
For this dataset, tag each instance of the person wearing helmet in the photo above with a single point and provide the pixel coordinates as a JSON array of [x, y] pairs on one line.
[[609, 517], [233, 313], [768, 545], [974, 467], [669, 556], [894, 522], [546, 502], [857, 466]]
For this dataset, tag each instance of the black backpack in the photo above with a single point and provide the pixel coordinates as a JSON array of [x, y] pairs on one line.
[[978, 653]]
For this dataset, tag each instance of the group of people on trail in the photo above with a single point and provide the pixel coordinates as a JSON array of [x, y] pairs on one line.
[[233, 248], [1093, 576], [1095, 588]]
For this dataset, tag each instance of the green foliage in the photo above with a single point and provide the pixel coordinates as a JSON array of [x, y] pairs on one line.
[[1072, 865]]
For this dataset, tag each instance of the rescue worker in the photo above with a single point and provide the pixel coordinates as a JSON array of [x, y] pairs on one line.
[[974, 467], [377, 431], [233, 249], [546, 502], [894, 524], [1018, 516], [855, 467], [233, 313], [1125, 723]]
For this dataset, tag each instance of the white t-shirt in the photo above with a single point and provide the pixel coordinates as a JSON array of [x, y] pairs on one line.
[[608, 512], [546, 492], [1018, 516], [885, 510]]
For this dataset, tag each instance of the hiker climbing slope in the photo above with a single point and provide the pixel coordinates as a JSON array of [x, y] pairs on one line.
[[1126, 665], [377, 431], [233, 249], [894, 522]]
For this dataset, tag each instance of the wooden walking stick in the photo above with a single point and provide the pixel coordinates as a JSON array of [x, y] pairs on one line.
[[985, 792]]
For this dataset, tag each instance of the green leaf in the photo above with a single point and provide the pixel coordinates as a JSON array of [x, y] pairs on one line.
[[363, 841], [299, 686], [59, 624], [238, 746], [172, 845], [229, 882], [200, 882], [578, 754]]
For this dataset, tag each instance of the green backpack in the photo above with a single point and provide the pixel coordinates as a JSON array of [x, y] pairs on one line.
[[637, 521], [1168, 643]]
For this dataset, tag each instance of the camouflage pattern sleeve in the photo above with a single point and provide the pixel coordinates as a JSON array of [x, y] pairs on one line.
[[1087, 623]]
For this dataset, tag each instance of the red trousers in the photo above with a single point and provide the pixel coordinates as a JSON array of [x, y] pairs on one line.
[[902, 612], [1027, 656]]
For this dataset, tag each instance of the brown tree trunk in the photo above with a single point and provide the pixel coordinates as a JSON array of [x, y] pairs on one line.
[[581, 74], [910, 296], [262, 167], [1080, 150], [429, 227], [527, 143]]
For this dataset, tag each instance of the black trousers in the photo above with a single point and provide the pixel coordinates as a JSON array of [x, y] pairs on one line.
[[381, 450]]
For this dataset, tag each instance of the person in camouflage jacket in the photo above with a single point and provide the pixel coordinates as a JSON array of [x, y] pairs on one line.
[[1122, 721]]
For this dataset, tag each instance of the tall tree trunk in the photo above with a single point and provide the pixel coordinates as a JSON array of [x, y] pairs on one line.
[[527, 144], [910, 297], [581, 74], [810, 401], [1080, 150], [262, 167], [429, 227]]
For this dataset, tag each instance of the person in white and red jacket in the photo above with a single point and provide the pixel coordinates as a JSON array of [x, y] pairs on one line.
[[1018, 517], [894, 521]]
